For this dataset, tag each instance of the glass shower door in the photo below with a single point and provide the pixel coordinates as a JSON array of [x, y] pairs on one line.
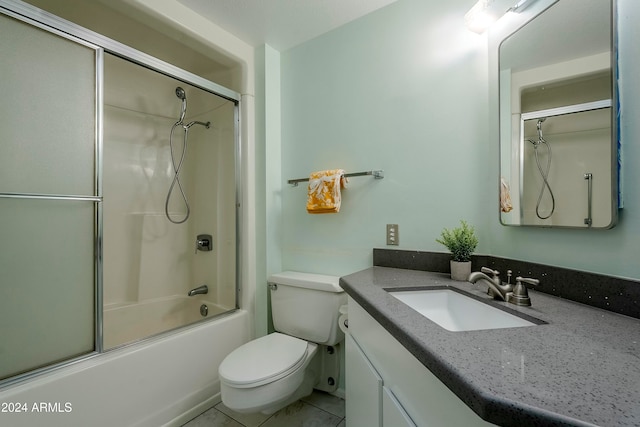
[[49, 196]]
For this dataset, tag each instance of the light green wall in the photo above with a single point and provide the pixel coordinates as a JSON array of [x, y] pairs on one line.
[[407, 89], [404, 90], [268, 178]]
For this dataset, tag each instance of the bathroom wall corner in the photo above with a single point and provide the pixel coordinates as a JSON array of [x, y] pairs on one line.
[[268, 179]]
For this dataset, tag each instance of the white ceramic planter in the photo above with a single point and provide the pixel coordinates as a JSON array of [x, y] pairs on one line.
[[460, 270]]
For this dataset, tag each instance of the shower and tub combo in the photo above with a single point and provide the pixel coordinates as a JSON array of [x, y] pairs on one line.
[[180, 195], [114, 292]]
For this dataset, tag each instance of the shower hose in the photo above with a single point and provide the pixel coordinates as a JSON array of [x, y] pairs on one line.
[[181, 94], [543, 173], [176, 175]]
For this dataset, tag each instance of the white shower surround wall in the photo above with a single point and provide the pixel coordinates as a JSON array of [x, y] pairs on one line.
[[145, 255], [127, 323]]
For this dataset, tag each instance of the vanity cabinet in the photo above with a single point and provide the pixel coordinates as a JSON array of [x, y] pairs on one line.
[[364, 388], [393, 413], [387, 386]]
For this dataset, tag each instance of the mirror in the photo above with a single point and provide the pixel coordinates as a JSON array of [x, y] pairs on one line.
[[558, 127]]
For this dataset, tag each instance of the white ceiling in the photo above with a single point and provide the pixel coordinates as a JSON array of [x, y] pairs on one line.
[[282, 24]]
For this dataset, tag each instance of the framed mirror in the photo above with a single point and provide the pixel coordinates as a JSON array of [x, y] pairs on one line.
[[559, 145]]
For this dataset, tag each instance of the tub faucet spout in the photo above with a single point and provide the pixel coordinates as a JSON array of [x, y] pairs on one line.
[[496, 287], [200, 290]]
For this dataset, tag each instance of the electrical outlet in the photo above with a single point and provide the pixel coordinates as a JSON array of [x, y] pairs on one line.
[[392, 234]]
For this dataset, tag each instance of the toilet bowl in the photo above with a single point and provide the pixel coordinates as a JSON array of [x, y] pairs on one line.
[[268, 373]]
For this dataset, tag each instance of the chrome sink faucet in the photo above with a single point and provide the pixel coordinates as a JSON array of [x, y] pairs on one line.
[[517, 294], [496, 288]]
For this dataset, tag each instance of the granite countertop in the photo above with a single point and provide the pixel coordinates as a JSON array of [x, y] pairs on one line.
[[582, 368]]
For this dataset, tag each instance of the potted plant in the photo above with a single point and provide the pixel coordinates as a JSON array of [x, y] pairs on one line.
[[461, 242]]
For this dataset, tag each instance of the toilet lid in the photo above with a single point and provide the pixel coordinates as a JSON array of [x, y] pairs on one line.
[[263, 360]]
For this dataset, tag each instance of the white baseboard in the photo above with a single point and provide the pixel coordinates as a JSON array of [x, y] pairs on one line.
[[190, 414]]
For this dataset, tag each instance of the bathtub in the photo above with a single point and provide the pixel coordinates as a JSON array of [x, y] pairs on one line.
[[125, 323], [162, 381]]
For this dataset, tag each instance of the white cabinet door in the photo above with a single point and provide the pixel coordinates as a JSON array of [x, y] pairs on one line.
[[393, 414], [363, 388], [424, 397]]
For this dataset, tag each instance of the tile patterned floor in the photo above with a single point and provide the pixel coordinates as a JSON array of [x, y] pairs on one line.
[[317, 410]]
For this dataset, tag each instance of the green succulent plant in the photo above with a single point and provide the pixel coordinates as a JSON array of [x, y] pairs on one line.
[[461, 241]]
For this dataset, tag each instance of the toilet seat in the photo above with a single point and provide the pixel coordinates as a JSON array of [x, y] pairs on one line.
[[263, 360]]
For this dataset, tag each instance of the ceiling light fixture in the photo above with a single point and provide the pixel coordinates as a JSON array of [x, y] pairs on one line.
[[480, 16], [520, 6], [485, 12]]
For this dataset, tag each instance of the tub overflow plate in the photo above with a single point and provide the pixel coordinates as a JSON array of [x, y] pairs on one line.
[[204, 310]]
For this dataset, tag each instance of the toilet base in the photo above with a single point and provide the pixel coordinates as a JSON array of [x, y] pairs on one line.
[[305, 389], [329, 368], [266, 398]]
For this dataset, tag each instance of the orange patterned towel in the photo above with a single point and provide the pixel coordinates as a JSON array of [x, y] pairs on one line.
[[324, 191]]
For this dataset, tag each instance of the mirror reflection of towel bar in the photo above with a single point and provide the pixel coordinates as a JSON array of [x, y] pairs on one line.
[[379, 174], [589, 177]]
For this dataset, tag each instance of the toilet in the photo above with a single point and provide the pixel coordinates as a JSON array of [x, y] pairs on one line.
[[268, 373]]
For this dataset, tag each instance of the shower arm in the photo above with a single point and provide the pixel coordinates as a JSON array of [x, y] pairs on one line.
[[195, 122]]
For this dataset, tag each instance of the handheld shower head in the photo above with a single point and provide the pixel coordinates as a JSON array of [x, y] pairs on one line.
[[180, 93]]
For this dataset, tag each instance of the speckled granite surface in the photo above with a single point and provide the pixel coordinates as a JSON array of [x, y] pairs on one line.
[[580, 369], [615, 294]]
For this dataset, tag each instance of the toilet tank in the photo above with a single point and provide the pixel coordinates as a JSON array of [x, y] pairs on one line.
[[306, 306]]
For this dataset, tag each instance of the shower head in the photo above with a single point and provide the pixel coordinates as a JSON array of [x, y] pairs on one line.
[[180, 93]]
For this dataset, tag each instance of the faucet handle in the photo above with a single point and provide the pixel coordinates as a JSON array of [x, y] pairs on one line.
[[520, 296], [520, 290], [528, 280], [487, 270]]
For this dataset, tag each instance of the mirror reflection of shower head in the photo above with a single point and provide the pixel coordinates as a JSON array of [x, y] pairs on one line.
[[540, 140], [539, 126]]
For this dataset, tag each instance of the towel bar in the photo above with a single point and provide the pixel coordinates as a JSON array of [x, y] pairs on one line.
[[379, 174]]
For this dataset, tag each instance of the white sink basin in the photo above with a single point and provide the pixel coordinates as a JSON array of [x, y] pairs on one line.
[[455, 311]]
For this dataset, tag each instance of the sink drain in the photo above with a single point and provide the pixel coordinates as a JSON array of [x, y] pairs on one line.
[[204, 310]]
